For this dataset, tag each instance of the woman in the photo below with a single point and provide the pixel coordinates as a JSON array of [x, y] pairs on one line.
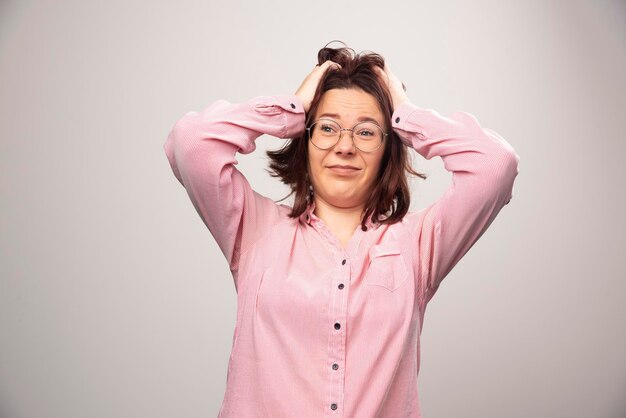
[[331, 292]]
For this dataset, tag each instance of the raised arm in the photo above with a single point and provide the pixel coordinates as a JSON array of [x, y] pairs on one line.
[[483, 166], [201, 150]]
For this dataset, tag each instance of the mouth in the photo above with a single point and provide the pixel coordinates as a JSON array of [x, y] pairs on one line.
[[343, 169]]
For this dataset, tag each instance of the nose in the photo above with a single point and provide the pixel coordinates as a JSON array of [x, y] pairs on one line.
[[345, 145]]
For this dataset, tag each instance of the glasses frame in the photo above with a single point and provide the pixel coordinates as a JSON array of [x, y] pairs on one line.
[[341, 129]]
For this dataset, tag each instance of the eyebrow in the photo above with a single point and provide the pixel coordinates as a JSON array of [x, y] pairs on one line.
[[360, 119]]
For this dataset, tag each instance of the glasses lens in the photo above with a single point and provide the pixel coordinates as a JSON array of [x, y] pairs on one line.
[[325, 133], [367, 136]]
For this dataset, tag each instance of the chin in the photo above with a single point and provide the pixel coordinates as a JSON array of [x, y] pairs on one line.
[[342, 198]]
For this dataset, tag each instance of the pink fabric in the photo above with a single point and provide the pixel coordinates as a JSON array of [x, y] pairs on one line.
[[323, 331]]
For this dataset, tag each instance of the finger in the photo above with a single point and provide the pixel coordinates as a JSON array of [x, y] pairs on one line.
[[382, 74], [329, 63], [392, 76], [388, 70]]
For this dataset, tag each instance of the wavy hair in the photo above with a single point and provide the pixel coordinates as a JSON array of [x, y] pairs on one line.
[[390, 195]]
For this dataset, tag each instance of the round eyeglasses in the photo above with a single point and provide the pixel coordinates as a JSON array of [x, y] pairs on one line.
[[326, 133]]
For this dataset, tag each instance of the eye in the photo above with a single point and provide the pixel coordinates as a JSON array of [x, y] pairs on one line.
[[365, 132], [327, 128]]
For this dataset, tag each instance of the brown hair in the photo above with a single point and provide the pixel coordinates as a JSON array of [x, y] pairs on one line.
[[290, 163]]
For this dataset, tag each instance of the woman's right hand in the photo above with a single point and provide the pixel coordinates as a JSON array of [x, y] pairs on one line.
[[395, 86], [306, 91]]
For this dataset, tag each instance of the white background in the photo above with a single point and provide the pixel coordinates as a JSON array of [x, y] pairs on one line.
[[116, 302]]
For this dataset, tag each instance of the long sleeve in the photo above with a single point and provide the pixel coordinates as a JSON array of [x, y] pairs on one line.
[[201, 150], [484, 167]]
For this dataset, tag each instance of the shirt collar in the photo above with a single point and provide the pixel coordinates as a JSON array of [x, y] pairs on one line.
[[308, 217]]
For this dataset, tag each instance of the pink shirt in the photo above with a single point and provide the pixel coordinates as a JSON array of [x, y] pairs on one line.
[[322, 330]]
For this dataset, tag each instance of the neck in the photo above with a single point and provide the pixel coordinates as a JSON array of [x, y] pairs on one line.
[[343, 218]]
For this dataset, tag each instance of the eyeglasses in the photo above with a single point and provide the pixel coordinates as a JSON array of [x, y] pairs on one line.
[[326, 133]]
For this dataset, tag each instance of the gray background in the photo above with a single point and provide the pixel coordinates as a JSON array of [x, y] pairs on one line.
[[116, 302]]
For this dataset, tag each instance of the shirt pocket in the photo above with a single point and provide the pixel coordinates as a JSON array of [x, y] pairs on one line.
[[387, 266]]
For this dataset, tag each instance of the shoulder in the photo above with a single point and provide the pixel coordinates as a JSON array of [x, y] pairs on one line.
[[414, 220]]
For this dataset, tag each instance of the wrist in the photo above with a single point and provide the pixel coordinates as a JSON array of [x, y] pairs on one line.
[[400, 102]]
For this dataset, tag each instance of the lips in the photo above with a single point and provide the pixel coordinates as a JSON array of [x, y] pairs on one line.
[[343, 170], [343, 166]]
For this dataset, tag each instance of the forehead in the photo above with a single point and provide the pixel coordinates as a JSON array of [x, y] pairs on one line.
[[349, 106]]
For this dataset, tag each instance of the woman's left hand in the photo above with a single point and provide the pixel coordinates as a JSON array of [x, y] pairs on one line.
[[395, 86]]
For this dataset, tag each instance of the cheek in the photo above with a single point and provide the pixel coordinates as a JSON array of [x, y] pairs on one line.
[[315, 159], [374, 166], [315, 165]]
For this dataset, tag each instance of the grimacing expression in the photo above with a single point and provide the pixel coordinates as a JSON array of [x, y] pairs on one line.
[[345, 188]]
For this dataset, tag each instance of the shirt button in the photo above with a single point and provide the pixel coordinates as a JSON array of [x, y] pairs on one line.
[[337, 326], [335, 366], [398, 119], [343, 262], [340, 286], [293, 106], [333, 406]]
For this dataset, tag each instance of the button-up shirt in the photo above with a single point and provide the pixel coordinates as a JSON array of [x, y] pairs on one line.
[[324, 330]]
